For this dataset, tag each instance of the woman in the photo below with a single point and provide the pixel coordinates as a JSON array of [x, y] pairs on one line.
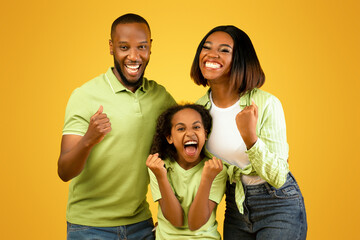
[[263, 200]]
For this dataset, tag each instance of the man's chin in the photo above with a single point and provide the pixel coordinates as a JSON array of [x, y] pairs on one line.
[[132, 82]]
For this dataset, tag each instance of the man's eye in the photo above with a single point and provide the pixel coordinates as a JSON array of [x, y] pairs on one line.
[[123, 48], [142, 47]]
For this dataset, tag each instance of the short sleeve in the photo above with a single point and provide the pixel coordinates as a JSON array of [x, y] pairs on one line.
[[154, 186], [218, 186], [77, 115]]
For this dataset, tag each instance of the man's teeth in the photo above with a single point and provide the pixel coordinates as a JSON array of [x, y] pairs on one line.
[[190, 143], [132, 68], [212, 65]]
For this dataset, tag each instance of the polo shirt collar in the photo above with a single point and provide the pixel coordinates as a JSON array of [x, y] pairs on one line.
[[117, 86]]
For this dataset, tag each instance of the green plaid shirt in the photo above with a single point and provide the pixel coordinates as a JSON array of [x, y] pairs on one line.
[[268, 156]]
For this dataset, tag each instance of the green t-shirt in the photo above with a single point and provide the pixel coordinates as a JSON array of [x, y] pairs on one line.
[[185, 184], [111, 189]]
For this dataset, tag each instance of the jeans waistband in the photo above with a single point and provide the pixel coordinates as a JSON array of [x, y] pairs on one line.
[[263, 187]]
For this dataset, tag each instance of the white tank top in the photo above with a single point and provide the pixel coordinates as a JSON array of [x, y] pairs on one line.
[[225, 141]]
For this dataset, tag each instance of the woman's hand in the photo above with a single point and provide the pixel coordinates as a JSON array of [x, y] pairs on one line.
[[246, 123]]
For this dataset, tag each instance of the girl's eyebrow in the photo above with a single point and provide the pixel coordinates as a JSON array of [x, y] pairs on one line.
[[196, 122], [180, 123]]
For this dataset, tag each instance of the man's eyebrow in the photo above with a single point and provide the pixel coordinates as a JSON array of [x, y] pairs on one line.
[[123, 42]]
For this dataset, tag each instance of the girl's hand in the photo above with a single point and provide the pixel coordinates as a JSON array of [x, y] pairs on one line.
[[212, 168], [156, 165], [246, 123]]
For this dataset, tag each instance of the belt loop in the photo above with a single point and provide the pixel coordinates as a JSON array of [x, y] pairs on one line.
[[268, 188]]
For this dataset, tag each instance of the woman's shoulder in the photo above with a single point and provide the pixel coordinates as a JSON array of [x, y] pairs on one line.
[[262, 97], [205, 99]]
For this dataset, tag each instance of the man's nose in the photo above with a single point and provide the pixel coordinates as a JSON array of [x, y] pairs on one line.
[[133, 55]]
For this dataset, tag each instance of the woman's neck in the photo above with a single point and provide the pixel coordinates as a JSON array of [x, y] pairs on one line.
[[223, 95]]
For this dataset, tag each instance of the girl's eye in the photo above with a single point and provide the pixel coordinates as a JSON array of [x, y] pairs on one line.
[[181, 129], [197, 127], [205, 47]]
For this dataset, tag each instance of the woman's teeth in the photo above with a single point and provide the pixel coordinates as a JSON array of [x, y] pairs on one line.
[[212, 65]]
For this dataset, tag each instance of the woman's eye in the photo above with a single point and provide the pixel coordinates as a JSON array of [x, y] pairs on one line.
[[225, 50]]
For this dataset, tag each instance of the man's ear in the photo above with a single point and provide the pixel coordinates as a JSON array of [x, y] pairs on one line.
[[150, 45], [111, 47], [169, 139]]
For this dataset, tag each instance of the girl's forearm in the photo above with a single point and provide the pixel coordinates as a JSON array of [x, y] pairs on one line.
[[169, 204], [201, 208]]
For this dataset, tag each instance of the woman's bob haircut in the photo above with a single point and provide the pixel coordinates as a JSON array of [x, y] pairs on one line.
[[246, 73]]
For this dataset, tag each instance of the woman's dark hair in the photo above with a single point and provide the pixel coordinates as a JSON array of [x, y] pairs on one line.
[[246, 73], [163, 129]]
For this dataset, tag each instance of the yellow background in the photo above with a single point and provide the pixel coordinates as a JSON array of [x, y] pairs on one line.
[[309, 51]]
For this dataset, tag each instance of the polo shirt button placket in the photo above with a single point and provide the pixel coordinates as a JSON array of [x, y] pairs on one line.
[[137, 106]]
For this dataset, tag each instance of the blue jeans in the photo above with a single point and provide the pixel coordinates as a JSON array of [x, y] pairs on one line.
[[269, 213], [141, 230]]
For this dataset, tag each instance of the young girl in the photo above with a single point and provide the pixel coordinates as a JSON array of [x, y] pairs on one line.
[[263, 200], [184, 179]]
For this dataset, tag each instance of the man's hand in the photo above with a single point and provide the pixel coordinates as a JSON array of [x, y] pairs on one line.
[[99, 126], [156, 165], [212, 168], [246, 123]]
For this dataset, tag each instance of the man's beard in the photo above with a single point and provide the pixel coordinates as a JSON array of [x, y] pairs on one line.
[[124, 79]]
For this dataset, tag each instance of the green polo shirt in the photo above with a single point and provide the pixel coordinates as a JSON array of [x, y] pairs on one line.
[[111, 189]]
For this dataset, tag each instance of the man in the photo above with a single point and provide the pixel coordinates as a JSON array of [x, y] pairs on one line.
[[107, 135]]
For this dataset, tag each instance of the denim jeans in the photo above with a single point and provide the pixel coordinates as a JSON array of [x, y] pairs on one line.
[[141, 230], [269, 213]]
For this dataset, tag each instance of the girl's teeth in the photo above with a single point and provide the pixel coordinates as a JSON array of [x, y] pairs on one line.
[[191, 142]]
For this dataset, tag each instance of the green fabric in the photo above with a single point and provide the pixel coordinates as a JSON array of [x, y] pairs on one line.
[[268, 157], [111, 190], [185, 184]]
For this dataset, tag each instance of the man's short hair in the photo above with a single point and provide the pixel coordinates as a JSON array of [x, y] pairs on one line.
[[128, 18]]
